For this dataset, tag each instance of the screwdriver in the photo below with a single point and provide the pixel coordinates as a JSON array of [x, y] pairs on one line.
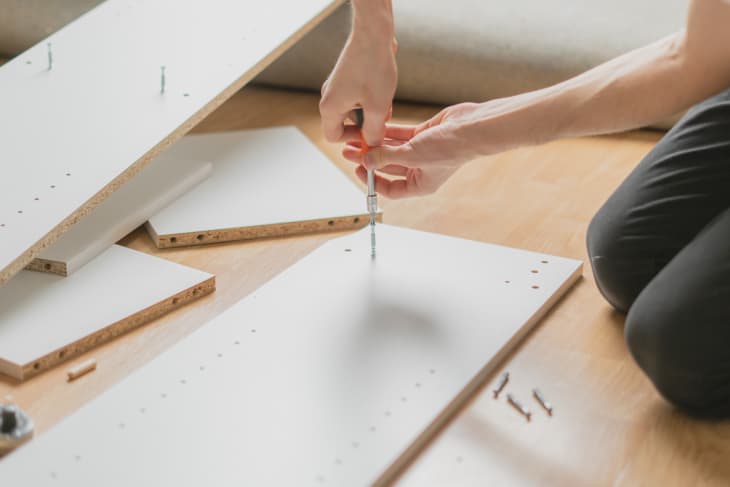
[[372, 198]]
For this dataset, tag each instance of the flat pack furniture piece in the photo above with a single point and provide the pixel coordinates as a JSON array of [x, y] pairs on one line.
[[88, 108], [336, 372], [158, 185], [266, 182], [47, 319]]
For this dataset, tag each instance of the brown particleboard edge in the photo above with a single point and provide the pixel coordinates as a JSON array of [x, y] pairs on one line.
[[26, 371], [462, 400], [52, 236], [351, 222], [48, 266]]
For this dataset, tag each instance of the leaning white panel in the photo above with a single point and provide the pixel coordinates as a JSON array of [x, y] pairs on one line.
[[159, 184], [265, 182], [74, 133], [324, 376]]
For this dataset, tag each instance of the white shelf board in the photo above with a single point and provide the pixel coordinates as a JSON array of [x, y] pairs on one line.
[[327, 375], [159, 184], [73, 134], [261, 178], [46, 319]]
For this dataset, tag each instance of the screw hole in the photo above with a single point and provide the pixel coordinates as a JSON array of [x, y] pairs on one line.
[[200, 237], [20, 211], [173, 239], [534, 271], [53, 186], [175, 300], [68, 174], [186, 94], [331, 223], [47, 267], [62, 354], [348, 250], [535, 286], [506, 282], [36, 366], [357, 219], [543, 262], [37, 198]]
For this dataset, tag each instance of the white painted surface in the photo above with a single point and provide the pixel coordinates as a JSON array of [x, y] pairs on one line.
[[321, 377], [159, 184], [99, 110], [260, 177], [41, 313]]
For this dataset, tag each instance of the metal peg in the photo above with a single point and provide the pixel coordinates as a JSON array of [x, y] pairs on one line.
[[162, 80], [519, 406], [543, 402], [503, 379], [50, 55]]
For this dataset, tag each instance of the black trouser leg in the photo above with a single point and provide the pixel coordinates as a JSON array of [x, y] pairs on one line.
[[650, 229]]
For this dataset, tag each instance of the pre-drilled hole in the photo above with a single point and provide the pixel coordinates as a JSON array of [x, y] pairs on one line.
[[20, 211], [47, 267], [36, 366], [62, 354], [357, 219], [534, 271], [348, 250], [173, 239], [331, 222], [535, 286], [175, 300], [200, 237], [543, 261], [53, 186]]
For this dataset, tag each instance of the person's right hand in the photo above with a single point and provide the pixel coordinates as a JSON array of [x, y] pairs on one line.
[[365, 76]]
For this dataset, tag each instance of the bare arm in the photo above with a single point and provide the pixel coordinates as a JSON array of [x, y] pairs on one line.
[[365, 74], [630, 91]]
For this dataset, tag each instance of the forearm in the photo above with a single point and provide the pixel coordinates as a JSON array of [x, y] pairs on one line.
[[633, 90], [373, 20]]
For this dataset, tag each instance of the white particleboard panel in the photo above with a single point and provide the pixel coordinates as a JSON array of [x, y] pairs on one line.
[[159, 184], [73, 134], [324, 376], [46, 318], [262, 178]]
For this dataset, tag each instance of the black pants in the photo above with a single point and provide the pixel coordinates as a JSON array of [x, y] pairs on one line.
[[660, 251]]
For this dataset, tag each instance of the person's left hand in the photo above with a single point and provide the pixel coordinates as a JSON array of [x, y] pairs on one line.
[[420, 157]]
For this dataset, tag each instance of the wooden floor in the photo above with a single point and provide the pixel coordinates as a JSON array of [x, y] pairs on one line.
[[614, 427]]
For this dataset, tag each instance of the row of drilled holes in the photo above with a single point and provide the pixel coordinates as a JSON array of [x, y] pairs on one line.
[[163, 395], [174, 301], [338, 462], [200, 237], [37, 198]]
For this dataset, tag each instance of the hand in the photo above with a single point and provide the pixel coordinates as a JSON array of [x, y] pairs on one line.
[[421, 157], [365, 76]]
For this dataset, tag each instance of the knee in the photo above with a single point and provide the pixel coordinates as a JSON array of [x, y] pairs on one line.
[[612, 263], [678, 367]]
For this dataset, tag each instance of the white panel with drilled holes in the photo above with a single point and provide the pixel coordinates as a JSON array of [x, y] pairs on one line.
[[263, 176], [69, 131], [322, 377]]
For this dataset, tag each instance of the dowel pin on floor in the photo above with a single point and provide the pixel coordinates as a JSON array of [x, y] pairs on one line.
[[162, 80]]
